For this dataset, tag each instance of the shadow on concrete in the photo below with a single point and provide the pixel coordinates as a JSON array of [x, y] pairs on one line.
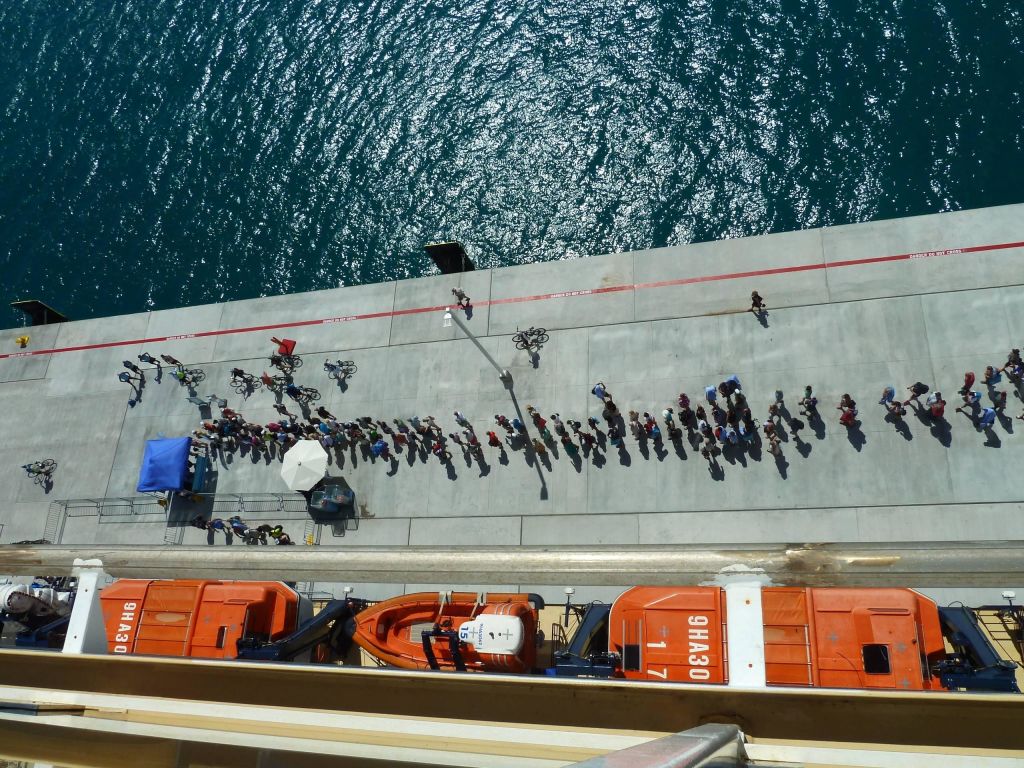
[[715, 470], [782, 465], [677, 446], [659, 449], [1005, 421], [900, 426], [991, 438], [529, 448], [816, 423], [449, 467], [856, 436]]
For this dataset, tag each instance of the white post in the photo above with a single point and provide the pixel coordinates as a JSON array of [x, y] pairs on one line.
[[86, 632], [503, 373]]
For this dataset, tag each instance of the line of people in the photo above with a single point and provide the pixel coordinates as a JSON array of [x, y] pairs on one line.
[[234, 526]]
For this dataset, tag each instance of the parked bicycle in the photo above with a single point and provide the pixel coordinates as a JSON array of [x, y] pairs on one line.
[[189, 377], [531, 338], [286, 364], [340, 370], [302, 395], [244, 383], [41, 472]]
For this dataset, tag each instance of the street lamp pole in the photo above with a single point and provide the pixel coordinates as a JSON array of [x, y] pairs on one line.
[[503, 373]]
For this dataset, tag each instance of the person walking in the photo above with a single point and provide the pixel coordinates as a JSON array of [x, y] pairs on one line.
[[757, 305], [442, 453], [539, 447], [987, 418], [992, 376], [936, 406], [614, 436], [172, 361], [711, 394], [216, 524], [594, 424], [493, 441], [999, 400], [634, 424], [571, 449], [503, 422], [848, 411], [916, 390], [888, 394], [1012, 360], [808, 403], [968, 383], [460, 297], [971, 400], [558, 424], [460, 419], [518, 425]]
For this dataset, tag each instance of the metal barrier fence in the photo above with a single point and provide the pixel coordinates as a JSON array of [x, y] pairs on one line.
[[252, 507]]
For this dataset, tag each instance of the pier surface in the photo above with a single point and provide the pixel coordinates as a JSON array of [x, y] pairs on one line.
[[851, 309]]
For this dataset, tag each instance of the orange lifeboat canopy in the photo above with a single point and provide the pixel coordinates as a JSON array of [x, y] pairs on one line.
[[199, 618]]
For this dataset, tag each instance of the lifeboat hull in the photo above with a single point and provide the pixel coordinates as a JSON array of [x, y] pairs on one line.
[[492, 633]]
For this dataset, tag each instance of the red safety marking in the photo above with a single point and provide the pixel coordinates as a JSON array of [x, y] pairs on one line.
[[534, 297]]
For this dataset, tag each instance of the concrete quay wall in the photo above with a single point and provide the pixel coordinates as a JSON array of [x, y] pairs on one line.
[[851, 309]]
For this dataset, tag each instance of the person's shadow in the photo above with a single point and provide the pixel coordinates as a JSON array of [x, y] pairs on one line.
[[716, 471], [659, 449], [677, 446], [900, 425], [817, 424], [941, 430], [1005, 421], [992, 439], [803, 448], [762, 317], [782, 465], [449, 467], [856, 436], [643, 448], [624, 458]]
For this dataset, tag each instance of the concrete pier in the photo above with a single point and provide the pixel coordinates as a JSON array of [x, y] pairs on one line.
[[851, 309]]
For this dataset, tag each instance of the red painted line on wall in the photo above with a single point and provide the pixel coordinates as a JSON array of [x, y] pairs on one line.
[[534, 297]]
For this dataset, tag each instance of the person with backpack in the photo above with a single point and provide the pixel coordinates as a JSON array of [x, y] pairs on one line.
[[936, 406], [848, 411], [916, 390], [808, 403]]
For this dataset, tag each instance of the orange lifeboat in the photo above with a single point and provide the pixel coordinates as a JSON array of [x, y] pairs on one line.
[[452, 630]]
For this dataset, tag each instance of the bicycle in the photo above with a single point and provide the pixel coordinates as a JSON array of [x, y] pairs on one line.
[[530, 338], [286, 363], [189, 377], [275, 384], [244, 383], [302, 395], [41, 472], [340, 370]]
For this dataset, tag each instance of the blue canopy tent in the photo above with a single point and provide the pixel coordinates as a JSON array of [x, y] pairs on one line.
[[165, 465]]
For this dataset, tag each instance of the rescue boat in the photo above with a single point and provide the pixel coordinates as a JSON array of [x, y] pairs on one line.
[[494, 632]]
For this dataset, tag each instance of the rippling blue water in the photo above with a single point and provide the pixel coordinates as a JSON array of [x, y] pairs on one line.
[[155, 153]]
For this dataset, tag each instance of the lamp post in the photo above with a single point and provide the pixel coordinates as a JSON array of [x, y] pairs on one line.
[[449, 316]]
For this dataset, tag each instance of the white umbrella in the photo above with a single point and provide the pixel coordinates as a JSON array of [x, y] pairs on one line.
[[304, 465]]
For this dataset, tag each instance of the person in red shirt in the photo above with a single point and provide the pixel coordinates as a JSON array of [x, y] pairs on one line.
[[968, 383]]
